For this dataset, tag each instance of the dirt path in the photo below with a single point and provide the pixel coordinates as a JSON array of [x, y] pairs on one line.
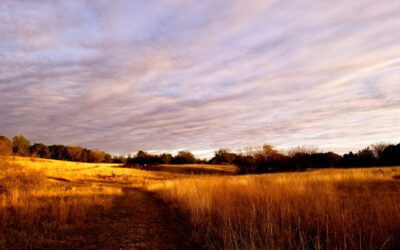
[[138, 220]]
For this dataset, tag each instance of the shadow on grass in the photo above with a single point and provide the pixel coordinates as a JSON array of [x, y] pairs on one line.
[[185, 170]]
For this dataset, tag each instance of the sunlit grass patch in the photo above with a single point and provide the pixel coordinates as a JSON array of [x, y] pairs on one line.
[[324, 209], [36, 211]]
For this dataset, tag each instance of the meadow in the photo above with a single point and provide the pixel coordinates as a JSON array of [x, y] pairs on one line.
[[51, 204], [322, 209], [55, 204], [38, 210]]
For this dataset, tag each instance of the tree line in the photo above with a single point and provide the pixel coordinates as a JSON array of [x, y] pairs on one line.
[[267, 159], [144, 158], [21, 146]]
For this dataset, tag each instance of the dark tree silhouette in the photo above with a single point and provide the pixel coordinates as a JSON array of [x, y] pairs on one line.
[[40, 150], [223, 156], [166, 158], [143, 158], [119, 159], [391, 155], [184, 157], [378, 149], [267, 159], [366, 158], [59, 152], [21, 146]]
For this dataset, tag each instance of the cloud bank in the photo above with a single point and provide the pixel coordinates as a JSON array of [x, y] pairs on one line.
[[199, 75]]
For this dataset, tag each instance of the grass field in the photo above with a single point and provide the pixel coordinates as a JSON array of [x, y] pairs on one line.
[[43, 202], [39, 202], [326, 209]]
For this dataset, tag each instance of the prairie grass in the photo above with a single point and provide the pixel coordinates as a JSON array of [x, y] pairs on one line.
[[46, 203], [326, 209], [37, 212], [78, 172]]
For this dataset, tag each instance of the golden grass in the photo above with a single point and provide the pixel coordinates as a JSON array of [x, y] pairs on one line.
[[326, 209], [36, 211], [116, 174], [40, 200], [81, 172]]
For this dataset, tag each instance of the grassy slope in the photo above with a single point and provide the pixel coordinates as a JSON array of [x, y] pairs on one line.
[[115, 173]]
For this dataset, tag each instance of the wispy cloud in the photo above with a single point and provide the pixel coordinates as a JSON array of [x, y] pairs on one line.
[[129, 75]]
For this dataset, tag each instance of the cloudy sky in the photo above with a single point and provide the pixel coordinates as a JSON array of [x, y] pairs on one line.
[[166, 75]]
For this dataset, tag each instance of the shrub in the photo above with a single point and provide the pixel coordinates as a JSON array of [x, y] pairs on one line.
[[5, 146]]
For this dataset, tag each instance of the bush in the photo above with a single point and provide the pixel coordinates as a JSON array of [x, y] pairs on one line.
[[5, 146]]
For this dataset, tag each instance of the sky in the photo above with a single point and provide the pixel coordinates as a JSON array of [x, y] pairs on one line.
[[200, 75]]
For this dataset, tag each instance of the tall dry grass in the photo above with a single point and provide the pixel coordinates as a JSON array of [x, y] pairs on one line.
[[36, 212], [329, 209]]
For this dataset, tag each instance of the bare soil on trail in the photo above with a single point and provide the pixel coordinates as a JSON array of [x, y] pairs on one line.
[[137, 220]]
